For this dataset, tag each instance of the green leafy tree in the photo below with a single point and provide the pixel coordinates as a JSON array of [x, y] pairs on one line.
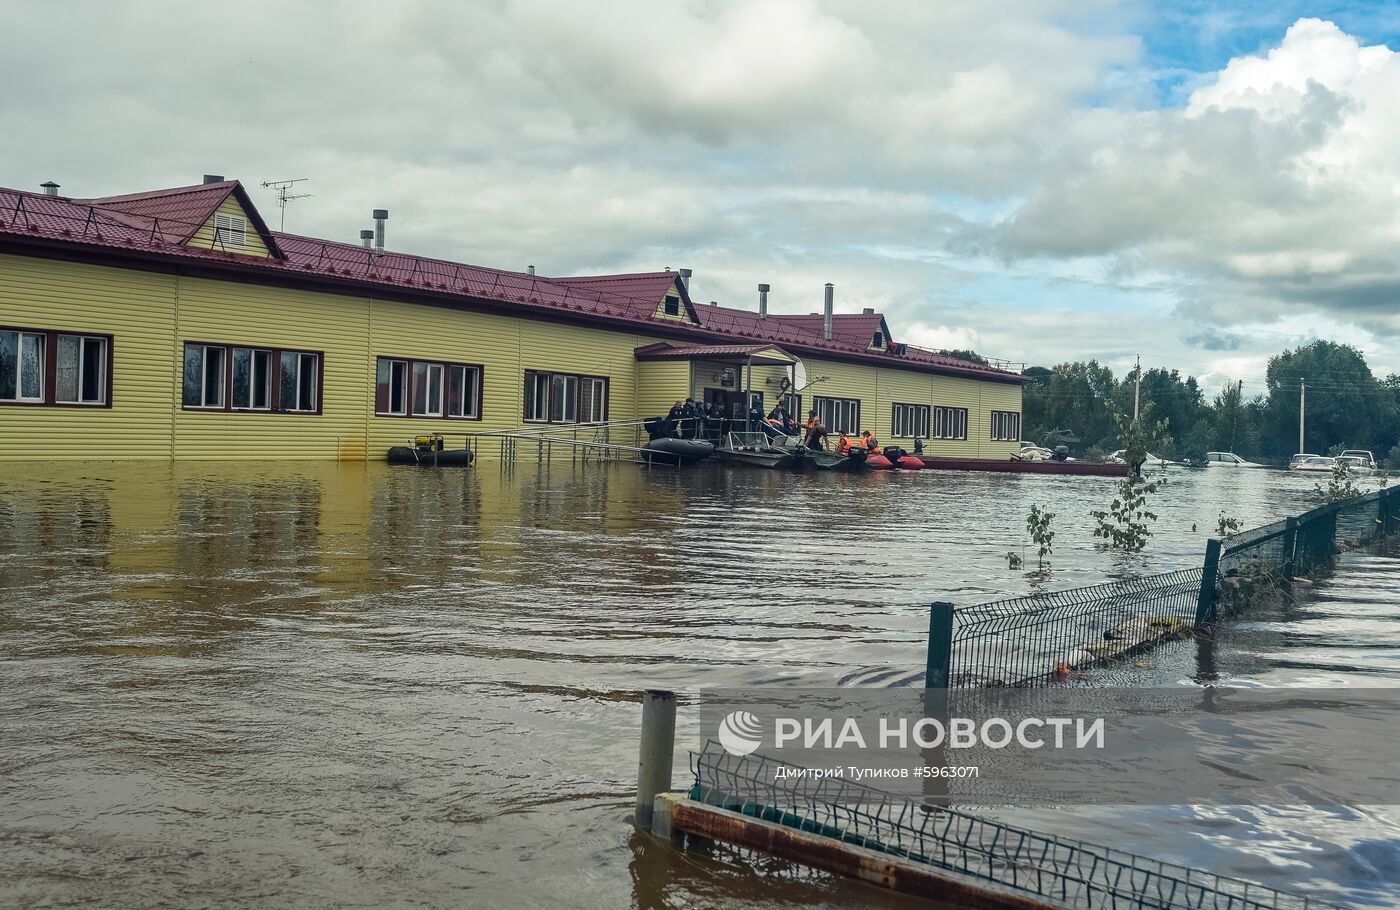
[[1126, 524], [1346, 404]]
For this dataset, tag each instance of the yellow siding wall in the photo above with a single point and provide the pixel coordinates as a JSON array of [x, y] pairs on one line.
[[253, 245], [880, 389], [243, 314], [150, 316], [138, 310], [660, 384]]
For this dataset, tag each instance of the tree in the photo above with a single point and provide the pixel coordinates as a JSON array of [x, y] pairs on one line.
[[970, 356], [1346, 405]]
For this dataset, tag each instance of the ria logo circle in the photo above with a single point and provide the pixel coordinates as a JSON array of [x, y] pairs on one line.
[[740, 733]]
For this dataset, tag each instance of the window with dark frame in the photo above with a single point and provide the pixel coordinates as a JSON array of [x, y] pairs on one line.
[[565, 398], [1006, 426], [672, 306], [221, 377], [405, 387], [949, 423], [841, 415], [910, 421], [55, 369]]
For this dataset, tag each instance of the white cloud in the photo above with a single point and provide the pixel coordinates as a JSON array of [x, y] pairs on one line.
[[878, 146]]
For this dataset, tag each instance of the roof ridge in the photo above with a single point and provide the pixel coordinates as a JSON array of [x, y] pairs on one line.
[[156, 194]]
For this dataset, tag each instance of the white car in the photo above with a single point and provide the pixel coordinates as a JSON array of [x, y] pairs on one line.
[[1319, 464], [1119, 457], [1228, 460], [1360, 460], [1357, 463]]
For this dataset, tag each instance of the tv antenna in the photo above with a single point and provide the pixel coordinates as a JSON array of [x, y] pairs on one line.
[[285, 195]]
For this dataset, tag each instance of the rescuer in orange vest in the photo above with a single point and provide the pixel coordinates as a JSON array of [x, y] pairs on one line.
[[843, 444], [872, 445]]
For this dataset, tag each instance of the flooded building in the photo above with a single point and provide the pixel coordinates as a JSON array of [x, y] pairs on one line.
[[175, 324]]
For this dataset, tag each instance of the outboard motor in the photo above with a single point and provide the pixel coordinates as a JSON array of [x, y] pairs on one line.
[[1061, 453], [858, 455], [893, 453]]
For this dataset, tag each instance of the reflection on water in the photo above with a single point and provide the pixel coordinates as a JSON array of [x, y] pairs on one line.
[[352, 686]]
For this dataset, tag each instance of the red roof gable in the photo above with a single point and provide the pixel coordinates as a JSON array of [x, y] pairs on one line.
[[180, 212], [125, 227], [643, 289], [853, 328]]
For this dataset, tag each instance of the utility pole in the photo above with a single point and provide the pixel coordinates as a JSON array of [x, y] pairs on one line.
[[1137, 392], [1235, 413], [1302, 401]]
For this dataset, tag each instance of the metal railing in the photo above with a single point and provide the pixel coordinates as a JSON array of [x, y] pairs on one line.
[[1070, 872], [1039, 638]]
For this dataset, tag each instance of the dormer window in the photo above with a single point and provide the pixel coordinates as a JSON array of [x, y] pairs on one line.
[[877, 340], [672, 306], [230, 230]]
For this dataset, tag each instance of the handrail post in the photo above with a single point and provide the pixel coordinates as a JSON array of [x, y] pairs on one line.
[[1205, 603], [940, 645], [1290, 549], [656, 753]]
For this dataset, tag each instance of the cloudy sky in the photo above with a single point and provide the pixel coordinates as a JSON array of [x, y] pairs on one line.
[[1199, 183]]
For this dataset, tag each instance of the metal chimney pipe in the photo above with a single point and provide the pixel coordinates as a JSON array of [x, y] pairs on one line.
[[530, 269], [685, 278], [213, 178], [366, 239], [763, 301], [50, 188], [826, 312], [380, 216]]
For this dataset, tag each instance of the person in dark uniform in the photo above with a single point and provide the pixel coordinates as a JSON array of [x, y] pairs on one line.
[[690, 414], [673, 417]]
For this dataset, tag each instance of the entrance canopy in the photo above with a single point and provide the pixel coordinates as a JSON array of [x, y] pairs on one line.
[[755, 354]]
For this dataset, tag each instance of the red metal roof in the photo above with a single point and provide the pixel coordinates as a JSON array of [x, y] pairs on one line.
[[124, 226], [664, 351], [854, 328], [178, 213], [644, 289]]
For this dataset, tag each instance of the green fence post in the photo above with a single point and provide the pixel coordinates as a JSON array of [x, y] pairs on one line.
[[940, 645], [1205, 603], [1290, 549]]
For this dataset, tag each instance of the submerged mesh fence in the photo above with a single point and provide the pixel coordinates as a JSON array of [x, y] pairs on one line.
[[1035, 639], [1069, 872]]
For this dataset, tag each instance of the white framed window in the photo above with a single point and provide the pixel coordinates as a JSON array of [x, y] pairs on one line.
[[1006, 426], [251, 385], [841, 415], [80, 370], [22, 366], [391, 387], [204, 376], [949, 423], [592, 400], [910, 421], [565, 398], [463, 390], [300, 381], [427, 389], [230, 230]]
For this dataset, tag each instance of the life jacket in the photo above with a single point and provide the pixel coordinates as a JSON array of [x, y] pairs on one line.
[[872, 444], [843, 444]]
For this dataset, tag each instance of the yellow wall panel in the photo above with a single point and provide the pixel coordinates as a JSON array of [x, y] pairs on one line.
[[151, 316], [252, 243]]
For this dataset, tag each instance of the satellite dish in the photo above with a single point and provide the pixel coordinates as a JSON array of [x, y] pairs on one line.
[[799, 376]]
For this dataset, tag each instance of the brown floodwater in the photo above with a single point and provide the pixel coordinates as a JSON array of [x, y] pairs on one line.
[[354, 686]]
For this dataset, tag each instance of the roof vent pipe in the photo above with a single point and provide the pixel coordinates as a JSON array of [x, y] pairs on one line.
[[869, 311], [380, 216], [50, 188], [826, 311], [529, 270], [213, 178], [763, 301], [685, 278], [366, 239]]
